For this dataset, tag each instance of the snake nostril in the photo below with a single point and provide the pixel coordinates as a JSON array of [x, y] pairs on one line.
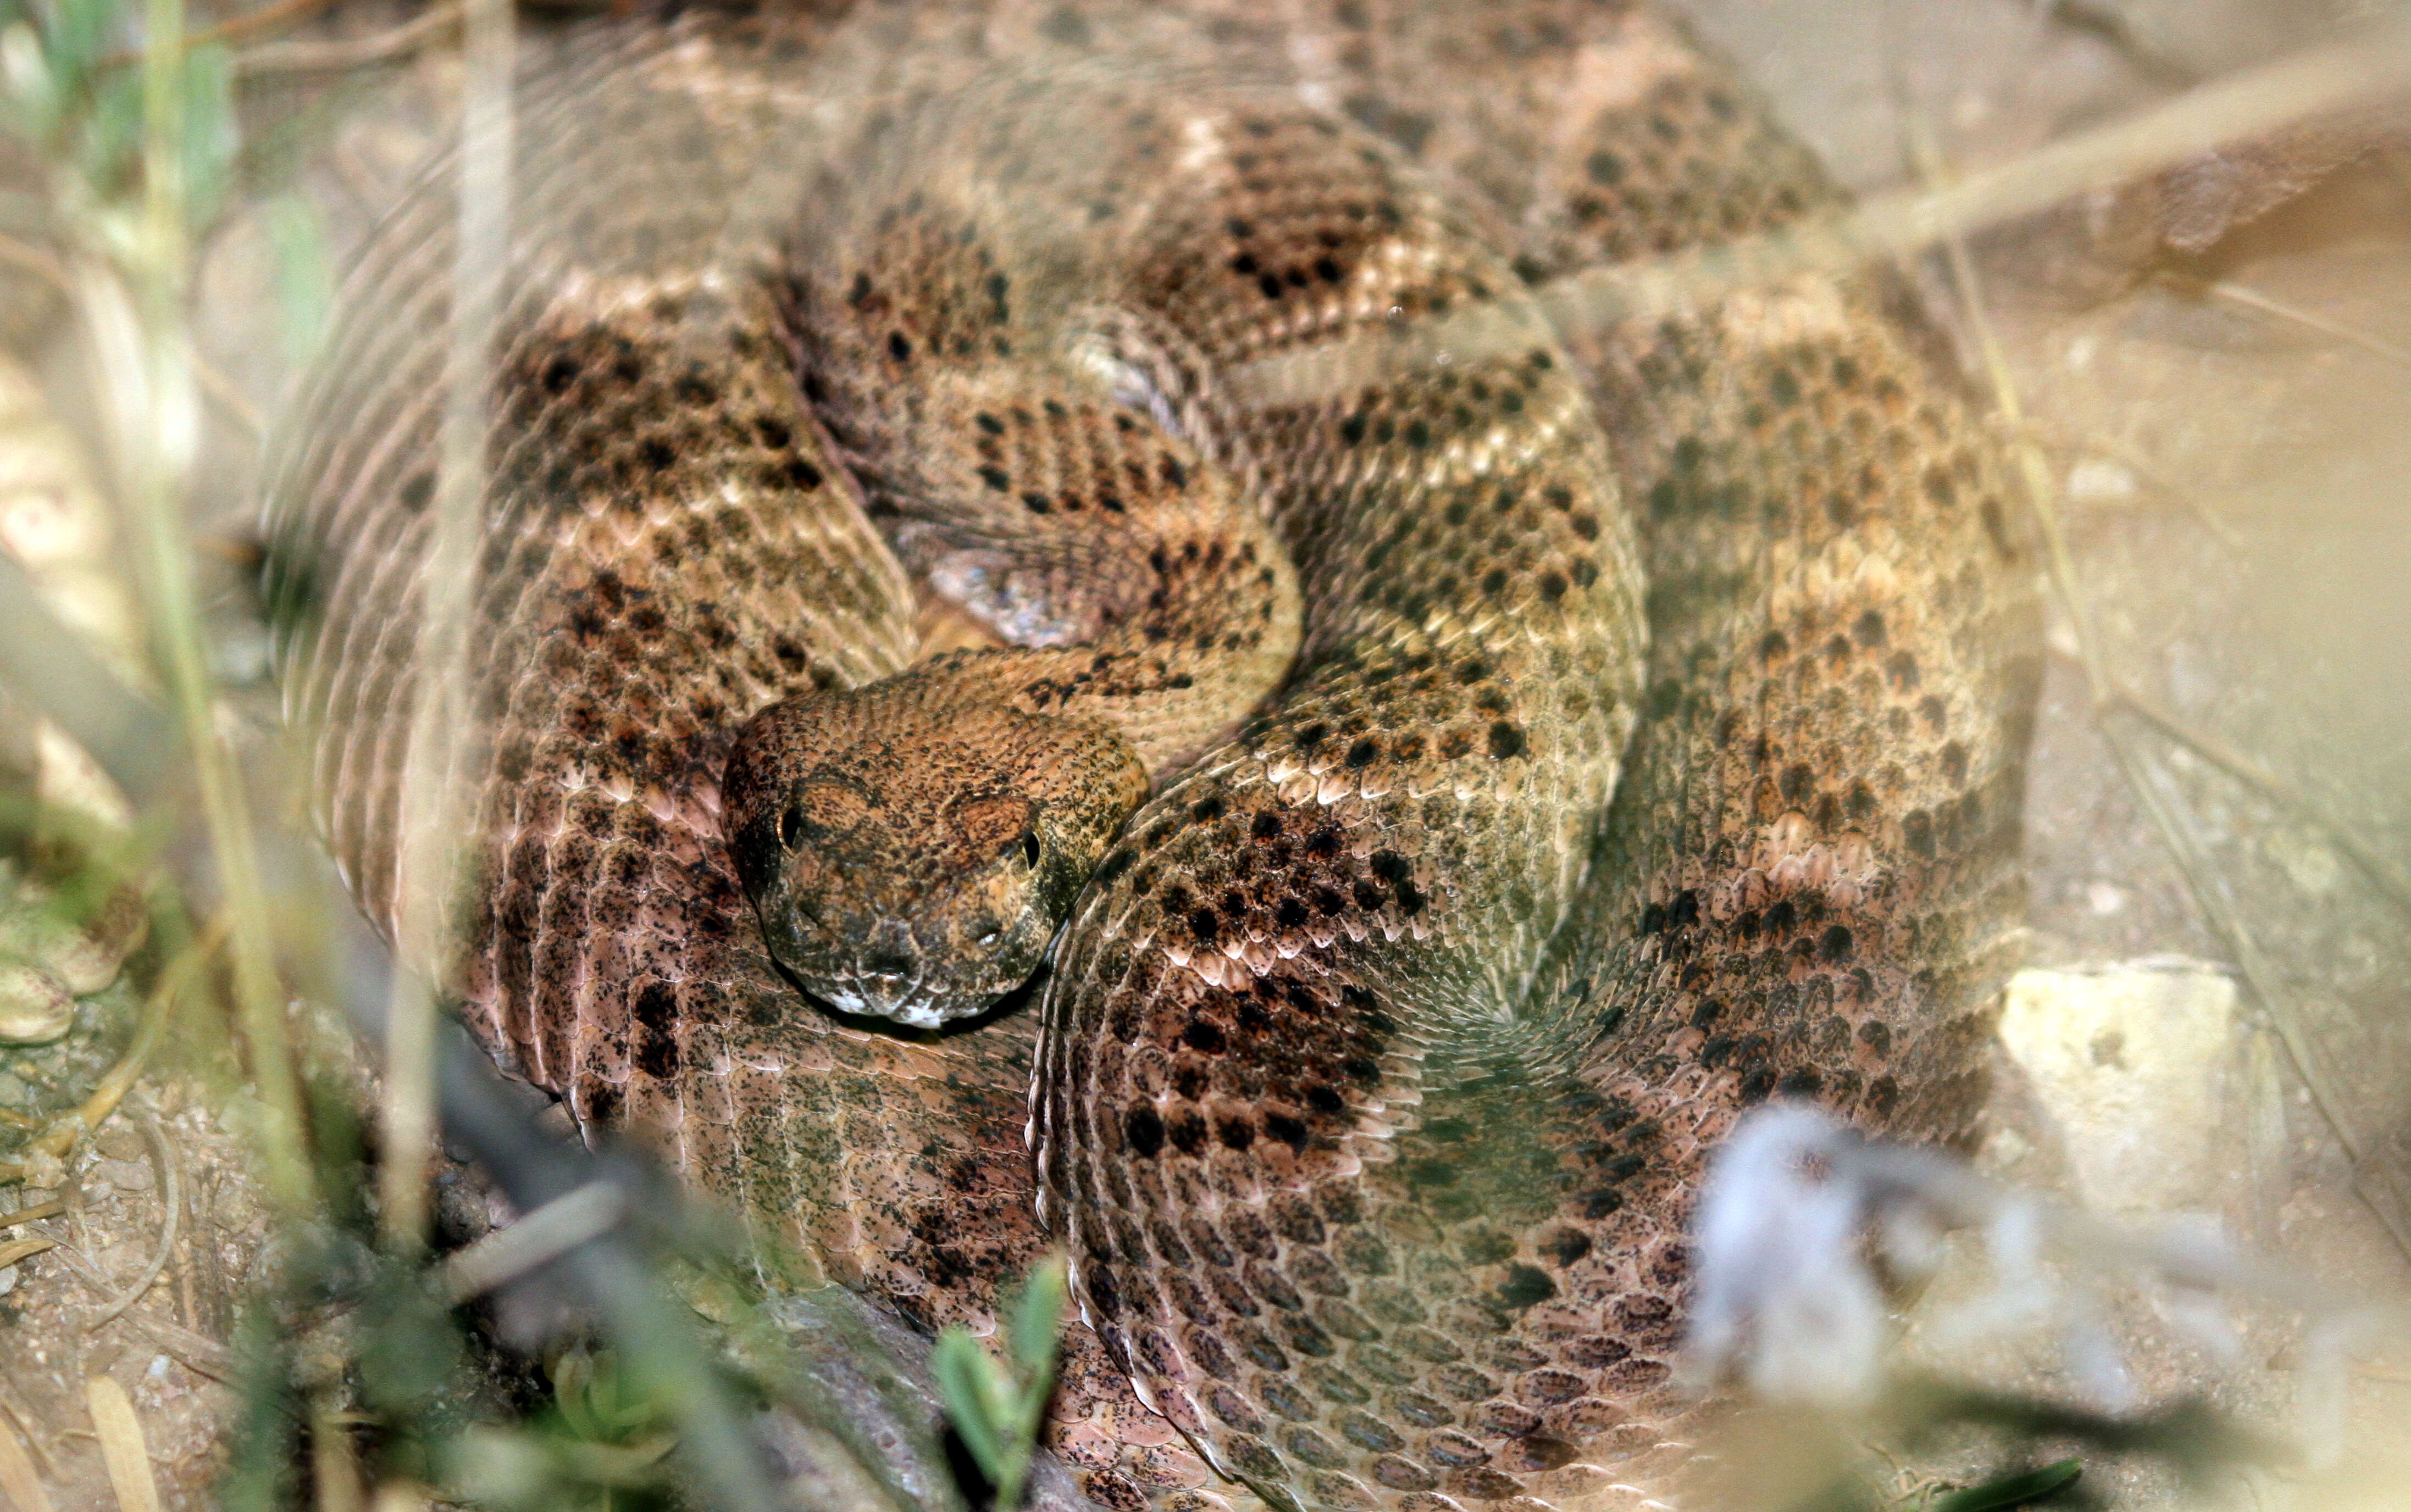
[[886, 963]]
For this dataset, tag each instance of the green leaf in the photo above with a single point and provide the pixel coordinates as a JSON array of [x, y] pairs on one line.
[[212, 137], [80, 35], [111, 148], [1038, 1318], [305, 284], [2012, 1490], [968, 1385]]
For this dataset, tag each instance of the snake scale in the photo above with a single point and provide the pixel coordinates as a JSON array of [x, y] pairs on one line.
[[1652, 744]]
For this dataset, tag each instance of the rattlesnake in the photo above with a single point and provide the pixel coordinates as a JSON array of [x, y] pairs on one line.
[[1382, 1051]]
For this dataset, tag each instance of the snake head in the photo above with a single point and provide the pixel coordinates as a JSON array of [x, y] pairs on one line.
[[911, 848]]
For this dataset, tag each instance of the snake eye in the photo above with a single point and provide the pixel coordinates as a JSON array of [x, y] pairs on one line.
[[1029, 847], [791, 825]]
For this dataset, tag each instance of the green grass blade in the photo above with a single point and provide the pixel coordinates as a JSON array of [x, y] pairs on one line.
[[1038, 1318], [972, 1396], [2012, 1490]]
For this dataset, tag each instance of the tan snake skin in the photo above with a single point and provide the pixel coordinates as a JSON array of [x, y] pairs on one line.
[[1380, 1058]]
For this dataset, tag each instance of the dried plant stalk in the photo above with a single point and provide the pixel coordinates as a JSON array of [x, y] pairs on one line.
[[122, 1447], [431, 795], [17, 1477], [2321, 82], [140, 348]]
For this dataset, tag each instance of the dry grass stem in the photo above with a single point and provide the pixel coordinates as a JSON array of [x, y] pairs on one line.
[[2381, 873], [2252, 298], [196, 1352], [122, 1447], [18, 1478], [2146, 473], [432, 790], [140, 349], [544, 1235], [333, 1467], [220, 390], [19, 1249]]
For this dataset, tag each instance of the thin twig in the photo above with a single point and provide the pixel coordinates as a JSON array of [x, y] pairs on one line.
[[26, 1248], [2382, 874], [2147, 472], [2252, 298], [354, 53], [171, 1198], [2125, 698], [266, 19], [32, 1215]]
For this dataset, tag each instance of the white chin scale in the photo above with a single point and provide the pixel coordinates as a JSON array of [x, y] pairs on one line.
[[915, 1012]]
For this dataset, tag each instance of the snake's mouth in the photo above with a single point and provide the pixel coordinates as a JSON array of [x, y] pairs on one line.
[[905, 1000], [951, 963], [917, 999]]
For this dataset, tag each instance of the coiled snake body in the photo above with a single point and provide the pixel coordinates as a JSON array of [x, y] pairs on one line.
[[1377, 1065]]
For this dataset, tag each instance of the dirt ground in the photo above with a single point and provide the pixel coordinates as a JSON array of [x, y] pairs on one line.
[[2230, 422]]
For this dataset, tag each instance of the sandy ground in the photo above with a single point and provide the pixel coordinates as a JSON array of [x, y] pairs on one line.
[[2231, 424]]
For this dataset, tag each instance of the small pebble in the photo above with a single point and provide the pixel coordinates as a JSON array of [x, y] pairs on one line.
[[85, 958], [36, 1007], [125, 1176]]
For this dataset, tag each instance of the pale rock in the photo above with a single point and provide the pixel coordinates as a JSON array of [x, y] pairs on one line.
[[2143, 1073]]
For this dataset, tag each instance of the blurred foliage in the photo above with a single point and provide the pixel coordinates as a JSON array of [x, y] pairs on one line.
[[997, 1408], [305, 285], [70, 92], [2012, 1490], [603, 1441]]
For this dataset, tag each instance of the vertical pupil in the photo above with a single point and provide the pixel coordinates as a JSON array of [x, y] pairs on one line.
[[1029, 847], [790, 824]]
